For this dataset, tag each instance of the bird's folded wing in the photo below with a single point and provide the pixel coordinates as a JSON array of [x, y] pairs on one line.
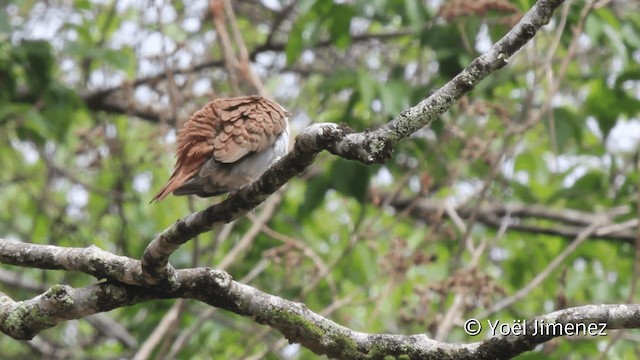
[[247, 124]]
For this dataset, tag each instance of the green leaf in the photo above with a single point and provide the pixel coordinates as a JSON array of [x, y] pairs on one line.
[[175, 32], [628, 74], [363, 265], [294, 44], [5, 28], [350, 178], [314, 195], [36, 58], [7, 72], [367, 87], [34, 128], [107, 22], [614, 37], [122, 59], [593, 28], [607, 104], [340, 25], [630, 35], [82, 4], [607, 17], [413, 11], [59, 111], [568, 127], [395, 97], [591, 182], [580, 196], [601, 103], [340, 80], [320, 17]]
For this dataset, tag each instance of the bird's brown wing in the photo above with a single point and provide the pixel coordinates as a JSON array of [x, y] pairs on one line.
[[227, 130], [248, 124]]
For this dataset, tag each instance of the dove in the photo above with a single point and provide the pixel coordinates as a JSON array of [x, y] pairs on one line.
[[226, 145]]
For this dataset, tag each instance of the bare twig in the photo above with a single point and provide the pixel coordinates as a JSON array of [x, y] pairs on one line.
[[166, 325], [524, 291], [231, 63], [565, 222], [247, 239]]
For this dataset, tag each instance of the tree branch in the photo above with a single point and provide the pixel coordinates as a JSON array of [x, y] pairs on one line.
[[24, 319]]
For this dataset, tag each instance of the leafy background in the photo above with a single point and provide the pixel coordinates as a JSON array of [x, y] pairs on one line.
[[91, 92]]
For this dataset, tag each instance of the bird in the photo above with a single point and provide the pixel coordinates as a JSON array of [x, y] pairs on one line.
[[227, 144]]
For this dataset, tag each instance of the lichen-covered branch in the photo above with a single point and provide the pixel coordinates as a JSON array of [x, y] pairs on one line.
[[367, 147], [24, 319], [90, 260]]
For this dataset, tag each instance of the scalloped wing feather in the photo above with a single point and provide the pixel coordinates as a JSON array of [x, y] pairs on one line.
[[251, 124]]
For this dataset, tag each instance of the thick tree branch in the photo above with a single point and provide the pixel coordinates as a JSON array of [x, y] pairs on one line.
[[24, 319], [89, 260], [102, 322]]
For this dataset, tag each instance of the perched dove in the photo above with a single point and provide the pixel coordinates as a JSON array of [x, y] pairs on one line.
[[227, 144]]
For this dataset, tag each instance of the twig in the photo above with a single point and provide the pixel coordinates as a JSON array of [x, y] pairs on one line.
[[537, 280], [247, 239], [231, 63], [570, 221], [167, 324]]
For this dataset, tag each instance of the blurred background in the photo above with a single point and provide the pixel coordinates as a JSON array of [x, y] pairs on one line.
[[464, 221]]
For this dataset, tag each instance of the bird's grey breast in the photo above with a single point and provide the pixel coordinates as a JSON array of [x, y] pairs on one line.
[[253, 165]]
